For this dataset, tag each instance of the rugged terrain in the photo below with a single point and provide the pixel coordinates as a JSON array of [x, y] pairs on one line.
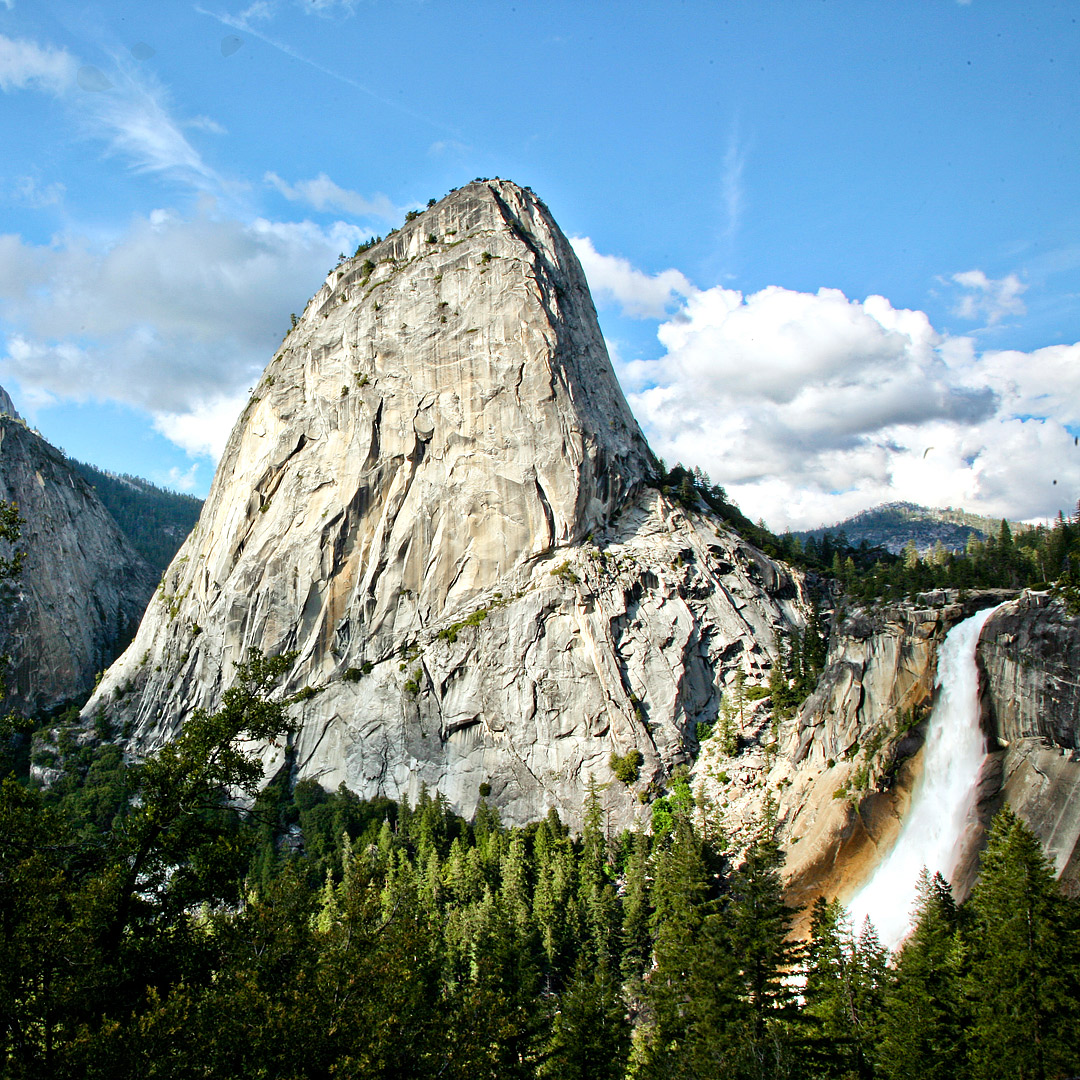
[[439, 499], [1029, 655], [82, 588]]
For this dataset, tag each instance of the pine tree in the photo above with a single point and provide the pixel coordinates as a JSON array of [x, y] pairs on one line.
[[758, 925], [590, 1037], [921, 1035], [1022, 990], [844, 985]]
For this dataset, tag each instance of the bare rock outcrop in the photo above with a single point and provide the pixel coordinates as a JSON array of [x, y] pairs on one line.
[[82, 588], [1029, 655], [438, 497]]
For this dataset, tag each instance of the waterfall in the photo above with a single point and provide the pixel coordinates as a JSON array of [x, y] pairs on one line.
[[943, 800]]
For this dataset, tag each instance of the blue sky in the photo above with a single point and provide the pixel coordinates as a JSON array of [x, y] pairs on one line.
[[835, 246]]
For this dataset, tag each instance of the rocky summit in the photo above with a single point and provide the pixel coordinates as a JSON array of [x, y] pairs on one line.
[[439, 499]]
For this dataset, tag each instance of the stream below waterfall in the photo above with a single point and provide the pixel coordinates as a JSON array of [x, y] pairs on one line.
[[943, 800]]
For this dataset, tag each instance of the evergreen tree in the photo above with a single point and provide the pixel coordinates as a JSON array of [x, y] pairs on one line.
[[921, 1033], [1022, 988], [758, 924], [590, 1037], [843, 991]]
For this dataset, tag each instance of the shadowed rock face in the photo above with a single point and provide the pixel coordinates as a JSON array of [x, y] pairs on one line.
[[439, 441], [1029, 654], [82, 589]]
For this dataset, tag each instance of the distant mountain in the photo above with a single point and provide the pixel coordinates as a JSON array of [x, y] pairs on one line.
[[892, 525], [155, 520]]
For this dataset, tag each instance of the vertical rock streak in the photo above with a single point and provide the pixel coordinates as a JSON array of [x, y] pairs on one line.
[[943, 802]]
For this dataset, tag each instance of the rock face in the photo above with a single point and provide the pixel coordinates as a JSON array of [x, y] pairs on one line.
[[82, 589], [1029, 655], [838, 775], [439, 498]]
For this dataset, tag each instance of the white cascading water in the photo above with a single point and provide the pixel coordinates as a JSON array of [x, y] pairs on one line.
[[943, 800]]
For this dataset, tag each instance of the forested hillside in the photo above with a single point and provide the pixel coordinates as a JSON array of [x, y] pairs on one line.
[[154, 519], [1041, 557], [895, 525], [152, 929]]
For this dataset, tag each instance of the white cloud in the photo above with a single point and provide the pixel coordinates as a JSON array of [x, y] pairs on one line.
[[808, 407], [205, 428], [993, 298], [136, 123], [732, 184], [173, 317], [27, 65], [183, 479], [447, 146], [323, 194], [260, 9], [205, 123], [641, 296]]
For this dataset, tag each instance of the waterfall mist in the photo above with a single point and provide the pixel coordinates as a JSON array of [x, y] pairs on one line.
[[943, 800]]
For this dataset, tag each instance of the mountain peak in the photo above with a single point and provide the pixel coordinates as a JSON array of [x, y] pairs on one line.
[[409, 502]]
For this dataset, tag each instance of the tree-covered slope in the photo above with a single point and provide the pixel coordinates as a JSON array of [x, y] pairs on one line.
[[893, 525], [155, 520]]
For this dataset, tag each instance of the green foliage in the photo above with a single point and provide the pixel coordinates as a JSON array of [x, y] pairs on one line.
[[564, 572], [1004, 556], [1022, 978], [158, 929], [627, 767], [155, 520], [450, 633]]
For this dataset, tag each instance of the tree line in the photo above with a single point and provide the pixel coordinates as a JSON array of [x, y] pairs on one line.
[[155, 926], [1046, 556]]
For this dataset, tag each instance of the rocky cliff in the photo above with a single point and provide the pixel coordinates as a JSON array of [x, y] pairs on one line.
[[438, 497], [82, 589], [837, 775], [1029, 655]]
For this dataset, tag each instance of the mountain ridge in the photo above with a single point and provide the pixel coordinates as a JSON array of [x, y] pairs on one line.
[[892, 525]]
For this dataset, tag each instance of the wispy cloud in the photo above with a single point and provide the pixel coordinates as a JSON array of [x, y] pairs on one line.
[[731, 182], [29, 192], [447, 146], [27, 65], [323, 194], [243, 24], [136, 123], [993, 298]]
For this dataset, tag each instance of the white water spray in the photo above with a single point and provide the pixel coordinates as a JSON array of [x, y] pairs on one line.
[[943, 800]]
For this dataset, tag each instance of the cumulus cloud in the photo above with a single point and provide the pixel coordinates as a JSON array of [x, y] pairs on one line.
[[641, 296], [205, 429], [808, 407], [27, 65], [323, 194], [989, 298], [177, 316]]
